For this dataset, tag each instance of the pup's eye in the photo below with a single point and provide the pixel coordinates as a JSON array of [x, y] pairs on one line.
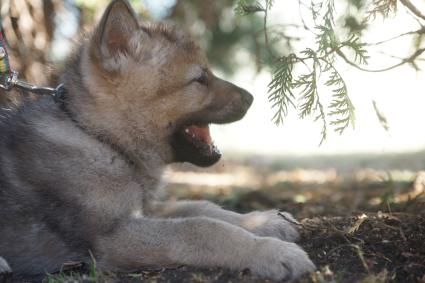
[[202, 79]]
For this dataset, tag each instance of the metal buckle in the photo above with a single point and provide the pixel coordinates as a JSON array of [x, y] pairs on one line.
[[10, 81], [2, 52]]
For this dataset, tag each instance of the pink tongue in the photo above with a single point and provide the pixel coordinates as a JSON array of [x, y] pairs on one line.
[[202, 132]]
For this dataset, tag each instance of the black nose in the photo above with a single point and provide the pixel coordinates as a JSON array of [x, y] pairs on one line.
[[246, 96]]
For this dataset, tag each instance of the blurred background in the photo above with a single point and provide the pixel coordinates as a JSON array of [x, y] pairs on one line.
[[374, 165]]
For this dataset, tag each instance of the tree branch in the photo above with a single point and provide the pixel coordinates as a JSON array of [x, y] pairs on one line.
[[410, 60], [266, 36], [413, 9], [419, 31]]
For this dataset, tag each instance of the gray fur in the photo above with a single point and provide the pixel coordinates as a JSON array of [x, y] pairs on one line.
[[82, 175]]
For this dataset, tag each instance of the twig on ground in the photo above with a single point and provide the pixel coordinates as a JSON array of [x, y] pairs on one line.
[[289, 220]]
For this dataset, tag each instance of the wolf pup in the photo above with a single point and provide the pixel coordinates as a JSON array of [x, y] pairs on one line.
[[80, 176]]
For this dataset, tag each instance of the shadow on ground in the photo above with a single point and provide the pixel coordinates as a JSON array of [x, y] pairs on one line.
[[359, 223]]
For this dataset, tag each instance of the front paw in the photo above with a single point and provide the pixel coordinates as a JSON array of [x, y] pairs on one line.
[[272, 223], [279, 260]]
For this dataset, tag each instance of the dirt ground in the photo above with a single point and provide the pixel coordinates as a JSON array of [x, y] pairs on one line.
[[359, 223], [377, 247]]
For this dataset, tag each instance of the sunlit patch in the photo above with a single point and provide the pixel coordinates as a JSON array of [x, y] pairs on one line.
[[300, 198], [303, 176]]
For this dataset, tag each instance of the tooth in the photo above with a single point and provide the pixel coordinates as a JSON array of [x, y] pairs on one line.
[[186, 131], [193, 135]]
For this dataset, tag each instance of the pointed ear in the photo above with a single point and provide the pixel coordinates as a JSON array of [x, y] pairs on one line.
[[112, 35]]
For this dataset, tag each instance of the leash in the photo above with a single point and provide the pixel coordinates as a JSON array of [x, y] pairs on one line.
[[9, 78]]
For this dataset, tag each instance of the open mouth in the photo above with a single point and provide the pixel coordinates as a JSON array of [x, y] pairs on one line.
[[193, 143]]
